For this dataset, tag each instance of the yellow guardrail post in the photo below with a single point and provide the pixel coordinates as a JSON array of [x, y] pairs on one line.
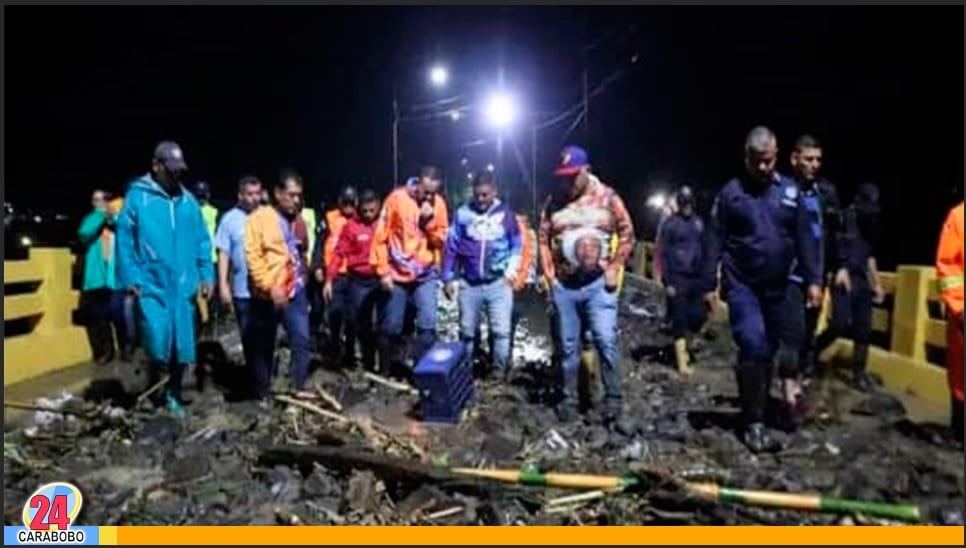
[[53, 342], [910, 311]]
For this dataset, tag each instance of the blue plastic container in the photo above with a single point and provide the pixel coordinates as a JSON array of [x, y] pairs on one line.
[[444, 378]]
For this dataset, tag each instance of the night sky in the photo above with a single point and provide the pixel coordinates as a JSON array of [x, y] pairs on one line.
[[254, 89]]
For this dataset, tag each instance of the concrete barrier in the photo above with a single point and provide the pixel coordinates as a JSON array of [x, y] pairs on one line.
[[53, 342]]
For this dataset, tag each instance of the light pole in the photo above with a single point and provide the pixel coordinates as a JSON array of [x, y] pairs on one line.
[[438, 77]]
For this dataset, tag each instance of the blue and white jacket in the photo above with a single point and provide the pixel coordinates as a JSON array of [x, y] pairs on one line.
[[482, 246]]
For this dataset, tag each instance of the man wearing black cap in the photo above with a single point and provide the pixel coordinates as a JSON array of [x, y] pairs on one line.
[[582, 269], [164, 257]]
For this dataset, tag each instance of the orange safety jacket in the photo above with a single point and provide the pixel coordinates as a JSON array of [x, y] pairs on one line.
[[401, 248], [949, 271], [335, 221]]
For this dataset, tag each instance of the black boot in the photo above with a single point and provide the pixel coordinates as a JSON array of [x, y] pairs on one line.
[[566, 409], [175, 383], [155, 372], [615, 421], [957, 421], [860, 377], [753, 392]]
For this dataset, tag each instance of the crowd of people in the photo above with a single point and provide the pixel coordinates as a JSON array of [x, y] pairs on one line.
[[370, 271]]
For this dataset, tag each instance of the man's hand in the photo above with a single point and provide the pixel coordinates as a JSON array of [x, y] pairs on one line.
[[205, 290], [814, 296], [711, 300], [543, 285], [386, 282], [450, 290], [878, 293], [511, 280], [134, 290], [425, 212], [610, 279], [327, 292], [842, 279], [319, 275], [279, 297], [671, 292], [225, 293]]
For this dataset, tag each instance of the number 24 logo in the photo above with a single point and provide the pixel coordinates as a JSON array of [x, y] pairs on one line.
[[52, 506]]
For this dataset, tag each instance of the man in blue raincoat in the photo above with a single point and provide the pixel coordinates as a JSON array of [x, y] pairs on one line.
[[164, 257]]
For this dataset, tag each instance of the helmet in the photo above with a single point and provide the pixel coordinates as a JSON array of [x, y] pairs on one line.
[[202, 190], [349, 196]]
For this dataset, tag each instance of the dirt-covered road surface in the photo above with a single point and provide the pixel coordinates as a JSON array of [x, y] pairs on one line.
[[366, 459]]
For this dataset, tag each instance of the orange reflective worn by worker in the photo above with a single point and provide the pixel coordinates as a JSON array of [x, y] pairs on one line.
[[949, 271]]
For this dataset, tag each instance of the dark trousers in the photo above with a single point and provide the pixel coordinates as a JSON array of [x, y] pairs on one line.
[[851, 317], [364, 298], [341, 325], [105, 309], [796, 349], [130, 313], [243, 311], [264, 320], [686, 308], [756, 316]]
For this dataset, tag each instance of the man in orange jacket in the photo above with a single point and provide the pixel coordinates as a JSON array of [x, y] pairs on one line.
[[949, 270], [411, 231]]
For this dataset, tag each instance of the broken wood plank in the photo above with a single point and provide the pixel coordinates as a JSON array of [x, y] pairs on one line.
[[313, 408], [329, 398], [401, 387]]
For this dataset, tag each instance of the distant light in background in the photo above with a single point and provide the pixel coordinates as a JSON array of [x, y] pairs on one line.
[[38, 219], [438, 75], [464, 161], [501, 110], [469, 176], [489, 167], [455, 115], [25, 241], [657, 201]]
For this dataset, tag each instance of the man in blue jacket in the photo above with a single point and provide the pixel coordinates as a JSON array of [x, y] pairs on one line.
[[819, 196], [682, 251], [164, 257], [484, 245], [759, 228]]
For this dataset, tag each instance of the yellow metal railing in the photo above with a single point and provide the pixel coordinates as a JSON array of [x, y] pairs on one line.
[[52, 341]]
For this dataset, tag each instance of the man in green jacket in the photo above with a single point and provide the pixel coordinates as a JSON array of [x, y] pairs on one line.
[[103, 301]]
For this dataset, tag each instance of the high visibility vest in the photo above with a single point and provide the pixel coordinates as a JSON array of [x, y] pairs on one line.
[[210, 214], [949, 273], [311, 225]]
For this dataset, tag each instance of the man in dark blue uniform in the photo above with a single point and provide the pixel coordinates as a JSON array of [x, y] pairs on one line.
[[682, 245], [795, 352], [857, 283], [759, 227]]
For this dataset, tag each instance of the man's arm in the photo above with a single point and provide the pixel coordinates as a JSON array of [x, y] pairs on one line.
[[438, 226], [379, 254], [339, 254], [130, 268], [516, 243], [90, 227], [805, 250], [714, 238], [450, 251], [625, 232], [949, 266], [223, 245], [547, 270]]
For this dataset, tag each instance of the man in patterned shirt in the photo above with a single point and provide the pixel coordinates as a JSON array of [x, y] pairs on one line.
[[582, 271]]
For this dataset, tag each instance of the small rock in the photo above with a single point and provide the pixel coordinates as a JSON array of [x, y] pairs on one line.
[[879, 404], [500, 446], [361, 494], [321, 483]]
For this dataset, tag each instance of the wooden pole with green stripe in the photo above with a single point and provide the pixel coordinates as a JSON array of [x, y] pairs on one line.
[[708, 491]]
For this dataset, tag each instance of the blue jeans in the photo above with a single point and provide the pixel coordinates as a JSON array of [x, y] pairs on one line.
[[130, 320], [593, 308], [392, 315], [497, 299], [264, 320]]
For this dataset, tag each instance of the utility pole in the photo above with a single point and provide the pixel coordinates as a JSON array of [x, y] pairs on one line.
[[395, 139], [533, 171], [586, 103]]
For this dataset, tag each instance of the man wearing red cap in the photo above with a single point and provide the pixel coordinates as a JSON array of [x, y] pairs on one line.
[[582, 270]]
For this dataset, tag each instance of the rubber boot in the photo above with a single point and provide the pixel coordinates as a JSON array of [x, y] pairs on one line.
[[155, 371], [682, 358], [173, 391], [860, 377], [957, 420], [753, 393]]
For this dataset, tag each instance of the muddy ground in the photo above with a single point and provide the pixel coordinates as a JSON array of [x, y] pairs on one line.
[[226, 464]]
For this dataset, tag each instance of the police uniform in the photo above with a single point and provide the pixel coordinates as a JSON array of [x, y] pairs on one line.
[[757, 231], [796, 347], [682, 257]]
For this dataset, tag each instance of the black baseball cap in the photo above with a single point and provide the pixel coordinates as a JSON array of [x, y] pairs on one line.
[[169, 153]]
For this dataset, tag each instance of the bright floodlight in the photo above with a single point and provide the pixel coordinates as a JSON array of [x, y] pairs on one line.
[[657, 201], [489, 167], [501, 111], [438, 75]]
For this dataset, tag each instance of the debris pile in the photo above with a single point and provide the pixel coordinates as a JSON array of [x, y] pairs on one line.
[[357, 453]]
